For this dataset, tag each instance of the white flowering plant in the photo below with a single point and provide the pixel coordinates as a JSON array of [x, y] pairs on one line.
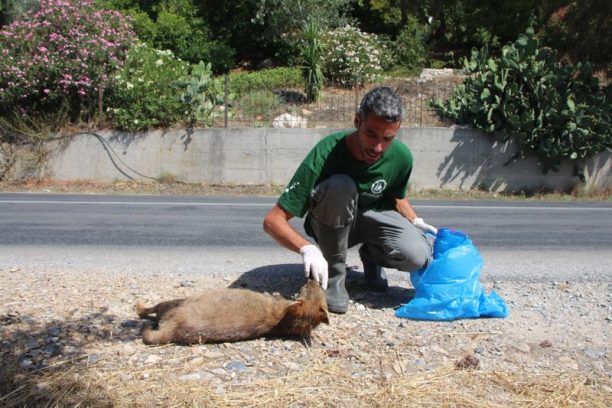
[[352, 57], [144, 94]]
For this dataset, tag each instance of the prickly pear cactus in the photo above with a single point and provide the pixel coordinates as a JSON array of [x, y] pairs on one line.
[[554, 111]]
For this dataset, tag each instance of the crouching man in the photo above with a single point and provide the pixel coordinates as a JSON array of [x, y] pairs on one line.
[[352, 189]]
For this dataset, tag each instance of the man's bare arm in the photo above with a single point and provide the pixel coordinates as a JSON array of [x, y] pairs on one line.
[[405, 209], [276, 224]]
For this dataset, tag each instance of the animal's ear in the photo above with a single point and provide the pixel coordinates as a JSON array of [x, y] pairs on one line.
[[295, 306], [324, 315]]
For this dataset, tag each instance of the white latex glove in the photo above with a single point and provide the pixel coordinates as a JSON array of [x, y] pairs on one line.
[[315, 264], [419, 223]]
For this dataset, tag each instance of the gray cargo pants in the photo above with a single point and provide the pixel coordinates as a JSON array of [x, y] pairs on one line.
[[389, 240]]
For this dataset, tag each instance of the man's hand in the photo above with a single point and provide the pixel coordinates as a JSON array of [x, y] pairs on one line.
[[315, 264], [419, 223]]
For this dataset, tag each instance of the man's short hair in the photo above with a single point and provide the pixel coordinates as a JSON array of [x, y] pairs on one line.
[[384, 103]]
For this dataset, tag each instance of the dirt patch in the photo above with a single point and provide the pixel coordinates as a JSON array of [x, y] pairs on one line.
[[71, 337]]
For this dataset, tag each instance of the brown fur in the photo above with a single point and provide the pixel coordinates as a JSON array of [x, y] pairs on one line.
[[235, 314]]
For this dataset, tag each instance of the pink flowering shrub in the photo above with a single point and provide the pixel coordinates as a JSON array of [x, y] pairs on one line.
[[59, 55]]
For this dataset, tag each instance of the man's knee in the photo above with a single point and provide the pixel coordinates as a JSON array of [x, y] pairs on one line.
[[334, 201], [338, 187], [410, 256]]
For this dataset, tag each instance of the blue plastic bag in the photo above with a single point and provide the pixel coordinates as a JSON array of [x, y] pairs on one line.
[[448, 287]]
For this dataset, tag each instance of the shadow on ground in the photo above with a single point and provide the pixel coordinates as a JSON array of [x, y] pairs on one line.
[[40, 363], [286, 279]]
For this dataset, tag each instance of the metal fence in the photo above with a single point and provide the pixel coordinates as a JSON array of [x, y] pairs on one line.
[[287, 107]]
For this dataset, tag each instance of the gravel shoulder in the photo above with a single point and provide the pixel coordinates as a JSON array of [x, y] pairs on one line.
[[56, 324]]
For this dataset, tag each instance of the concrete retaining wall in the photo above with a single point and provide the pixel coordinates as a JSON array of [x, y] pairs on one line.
[[454, 158]]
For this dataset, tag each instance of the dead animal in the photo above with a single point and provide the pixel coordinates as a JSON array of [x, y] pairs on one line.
[[226, 315]]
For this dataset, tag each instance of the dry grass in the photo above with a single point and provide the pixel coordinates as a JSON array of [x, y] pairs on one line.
[[168, 185], [324, 383]]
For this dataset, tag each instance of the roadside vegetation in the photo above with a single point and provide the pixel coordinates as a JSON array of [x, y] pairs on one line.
[[535, 72]]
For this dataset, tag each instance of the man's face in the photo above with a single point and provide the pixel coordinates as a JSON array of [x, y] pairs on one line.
[[374, 135]]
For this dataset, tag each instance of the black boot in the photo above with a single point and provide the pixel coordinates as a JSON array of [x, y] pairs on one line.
[[333, 243], [337, 296], [375, 277]]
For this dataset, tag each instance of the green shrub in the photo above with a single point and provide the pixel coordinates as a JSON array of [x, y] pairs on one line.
[[312, 59], [410, 46], [258, 103], [175, 25], [202, 94], [241, 83], [144, 93], [353, 57], [553, 111]]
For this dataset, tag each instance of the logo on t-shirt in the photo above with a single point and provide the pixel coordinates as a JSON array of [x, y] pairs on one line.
[[291, 187], [378, 186]]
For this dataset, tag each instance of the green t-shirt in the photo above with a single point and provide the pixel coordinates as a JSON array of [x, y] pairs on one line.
[[379, 184]]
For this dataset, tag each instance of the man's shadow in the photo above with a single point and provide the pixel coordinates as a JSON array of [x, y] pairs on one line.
[[286, 280]]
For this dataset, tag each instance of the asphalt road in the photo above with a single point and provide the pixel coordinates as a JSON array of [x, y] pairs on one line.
[[160, 232]]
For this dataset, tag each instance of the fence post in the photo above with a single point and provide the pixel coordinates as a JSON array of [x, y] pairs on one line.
[[356, 87], [225, 99], [420, 93]]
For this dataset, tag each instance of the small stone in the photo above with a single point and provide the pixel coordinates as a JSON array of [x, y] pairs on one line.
[[522, 347], [31, 343], [469, 361], [186, 283], [595, 354], [360, 307], [213, 354], [219, 372], [51, 350], [439, 350], [545, 343], [41, 388], [196, 361], [152, 359], [55, 331], [70, 350], [236, 366], [93, 358], [479, 350], [25, 363], [197, 376], [292, 366]]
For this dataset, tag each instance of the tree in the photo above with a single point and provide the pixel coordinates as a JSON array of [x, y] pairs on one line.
[[11, 10], [581, 31], [178, 26], [284, 20]]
